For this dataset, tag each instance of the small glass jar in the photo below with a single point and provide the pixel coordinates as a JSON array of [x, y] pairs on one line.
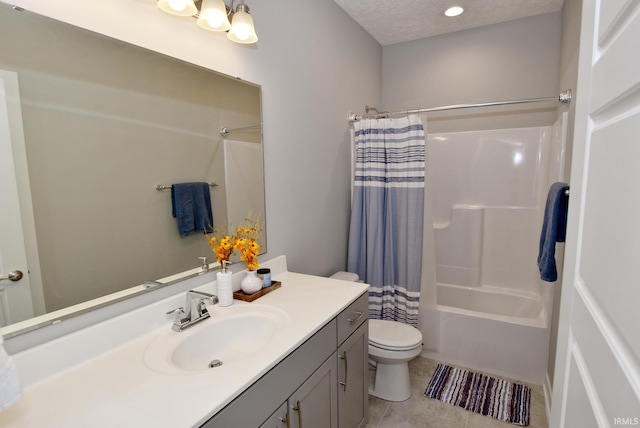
[[265, 274]]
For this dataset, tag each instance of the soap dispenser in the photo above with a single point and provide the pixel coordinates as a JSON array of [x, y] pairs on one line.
[[225, 286]]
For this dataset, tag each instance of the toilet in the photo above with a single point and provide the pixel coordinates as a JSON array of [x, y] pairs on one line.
[[392, 345]]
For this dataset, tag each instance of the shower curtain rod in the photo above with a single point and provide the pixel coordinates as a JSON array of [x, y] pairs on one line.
[[564, 98]]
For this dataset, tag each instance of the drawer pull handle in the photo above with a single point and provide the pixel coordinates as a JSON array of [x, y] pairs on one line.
[[298, 409], [285, 419], [346, 370], [352, 320]]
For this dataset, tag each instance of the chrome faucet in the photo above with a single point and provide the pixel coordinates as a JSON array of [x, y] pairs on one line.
[[196, 310]]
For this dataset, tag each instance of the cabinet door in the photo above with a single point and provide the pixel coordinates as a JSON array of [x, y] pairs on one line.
[[314, 404], [279, 419], [353, 373]]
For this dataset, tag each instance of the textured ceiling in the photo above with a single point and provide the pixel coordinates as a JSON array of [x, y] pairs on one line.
[[397, 21]]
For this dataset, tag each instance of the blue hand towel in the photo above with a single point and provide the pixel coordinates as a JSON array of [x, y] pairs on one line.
[[554, 229], [191, 205]]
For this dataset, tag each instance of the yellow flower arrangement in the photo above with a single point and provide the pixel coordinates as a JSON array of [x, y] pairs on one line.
[[221, 244], [245, 240]]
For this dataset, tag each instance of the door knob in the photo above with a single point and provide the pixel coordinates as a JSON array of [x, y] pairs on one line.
[[14, 275]]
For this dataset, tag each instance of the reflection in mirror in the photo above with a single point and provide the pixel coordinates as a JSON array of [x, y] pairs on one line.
[[94, 126]]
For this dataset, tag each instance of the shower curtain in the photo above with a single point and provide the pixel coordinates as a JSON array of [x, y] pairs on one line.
[[387, 216]]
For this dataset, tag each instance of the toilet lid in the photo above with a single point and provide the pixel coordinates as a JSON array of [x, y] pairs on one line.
[[393, 335]]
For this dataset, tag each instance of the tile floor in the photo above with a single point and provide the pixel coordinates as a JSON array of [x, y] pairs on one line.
[[420, 411]]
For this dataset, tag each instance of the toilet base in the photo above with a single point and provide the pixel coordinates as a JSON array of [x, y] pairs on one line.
[[391, 382]]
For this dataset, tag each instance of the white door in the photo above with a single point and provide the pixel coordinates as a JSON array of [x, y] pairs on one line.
[[597, 381], [15, 296]]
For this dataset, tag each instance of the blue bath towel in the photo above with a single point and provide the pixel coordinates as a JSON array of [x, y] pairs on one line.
[[554, 229], [191, 204]]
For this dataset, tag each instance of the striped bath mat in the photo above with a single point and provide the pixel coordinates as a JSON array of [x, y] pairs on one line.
[[479, 393]]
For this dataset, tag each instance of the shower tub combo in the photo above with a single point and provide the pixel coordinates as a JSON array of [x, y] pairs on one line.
[[493, 330], [489, 192]]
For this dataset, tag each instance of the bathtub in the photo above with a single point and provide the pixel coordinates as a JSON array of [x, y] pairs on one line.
[[492, 303], [495, 330]]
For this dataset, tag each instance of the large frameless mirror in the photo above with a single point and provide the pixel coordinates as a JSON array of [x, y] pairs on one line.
[[94, 125]]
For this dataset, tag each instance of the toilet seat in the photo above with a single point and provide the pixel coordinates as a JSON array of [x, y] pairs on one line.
[[393, 335]]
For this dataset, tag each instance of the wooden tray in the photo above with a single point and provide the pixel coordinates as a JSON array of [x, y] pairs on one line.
[[241, 295]]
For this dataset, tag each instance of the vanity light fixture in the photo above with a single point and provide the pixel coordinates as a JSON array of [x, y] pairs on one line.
[[215, 15], [454, 11], [242, 30]]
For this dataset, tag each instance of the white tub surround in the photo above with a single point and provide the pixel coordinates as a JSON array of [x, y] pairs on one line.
[[73, 382], [495, 330], [489, 193]]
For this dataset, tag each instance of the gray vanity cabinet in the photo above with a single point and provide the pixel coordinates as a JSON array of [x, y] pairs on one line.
[[304, 389]]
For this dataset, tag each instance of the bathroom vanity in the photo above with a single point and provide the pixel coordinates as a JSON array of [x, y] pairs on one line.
[[307, 361], [321, 383]]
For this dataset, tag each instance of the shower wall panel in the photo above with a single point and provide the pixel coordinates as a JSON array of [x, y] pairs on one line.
[[488, 204], [459, 250]]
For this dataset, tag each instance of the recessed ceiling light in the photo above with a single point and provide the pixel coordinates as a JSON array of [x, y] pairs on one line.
[[453, 11]]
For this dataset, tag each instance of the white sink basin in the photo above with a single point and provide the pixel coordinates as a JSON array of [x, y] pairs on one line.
[[230, 335]]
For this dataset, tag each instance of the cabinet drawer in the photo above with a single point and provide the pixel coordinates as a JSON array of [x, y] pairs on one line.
[[352, 317]]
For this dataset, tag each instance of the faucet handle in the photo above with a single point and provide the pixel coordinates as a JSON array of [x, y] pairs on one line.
[[180, 311], [181, 318], [202, 307], [201, 295]]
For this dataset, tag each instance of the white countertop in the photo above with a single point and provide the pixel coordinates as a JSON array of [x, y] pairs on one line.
[[116, 388]]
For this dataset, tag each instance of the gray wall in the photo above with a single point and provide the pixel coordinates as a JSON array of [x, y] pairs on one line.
[[512, 60], [314, 70]]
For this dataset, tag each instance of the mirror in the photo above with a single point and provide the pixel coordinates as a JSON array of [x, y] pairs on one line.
[[104, 123]]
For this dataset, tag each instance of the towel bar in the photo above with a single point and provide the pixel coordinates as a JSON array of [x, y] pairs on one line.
[[566, 192], [165, 187]]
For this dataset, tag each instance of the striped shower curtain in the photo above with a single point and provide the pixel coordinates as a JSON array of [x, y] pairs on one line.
[[387, 216]]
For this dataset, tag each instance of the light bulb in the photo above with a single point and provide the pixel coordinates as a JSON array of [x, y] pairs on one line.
[[216, 20], [178, 7], [242, 30], [213, 16]]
